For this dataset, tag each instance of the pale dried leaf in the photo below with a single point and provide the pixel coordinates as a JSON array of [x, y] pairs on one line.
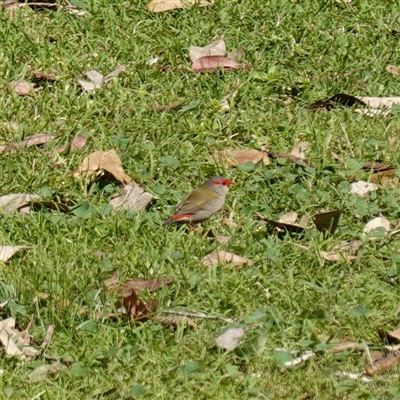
[[345, 345], [216, 48], [347, 247], [40, 373], [218, 257], [236, 55], [230, 223], [77, 143], [390, 336], [392, 69], [95, 77], [380, 102], [214, 63], [87, 86], [393, 143], [383, 364], [333, 256], [238, 157], [132, 197], [299, 149], [21, 88], [103, 160], [15, 201], [115, 73], [288, 218], [50, 76], [6, 252], [230, 339], [222, 239], [378, 222], [168, 5], [361, 188]]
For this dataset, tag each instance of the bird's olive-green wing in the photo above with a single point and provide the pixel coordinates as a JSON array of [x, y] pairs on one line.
[[196, 200]]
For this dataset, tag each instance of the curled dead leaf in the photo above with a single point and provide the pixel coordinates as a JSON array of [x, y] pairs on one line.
[[377, 223], [103, 160], [168, 5], [238, 157], [216, 48], [215, 63], [35, 140], [229, 339], [21, 88], [389, 336], [49, 76], [299, 150], [77, 143], [392, 69], [6, 252], [17, 201], [134, 307], [383, 364], [132, 197], [218, 257]]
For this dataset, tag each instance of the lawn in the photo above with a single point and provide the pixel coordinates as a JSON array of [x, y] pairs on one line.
[[295, 53]]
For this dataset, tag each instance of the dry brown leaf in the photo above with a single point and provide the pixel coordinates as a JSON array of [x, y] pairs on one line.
[[103, 161], [171, 106], [230, 223], [6, 252], [292, 158], [386, 178], [136, 308], [136, 284], [218, 257], [327, 221], [35, 140], [49, 76], [345, 345], [222, 239], [336, 257], [16, 201], [215, 63], [299, 150], [21, 88], [216, 48], [383, 364], [288, 218], [389, 336], [97, 79], [46, 204], [15, 343], [77, 143], [376, 223], [176, 320], [168, 5], [238, 157], [392, 69], [132, 197]]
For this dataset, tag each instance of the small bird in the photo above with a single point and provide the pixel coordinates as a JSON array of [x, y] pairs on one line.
[[202, 202]]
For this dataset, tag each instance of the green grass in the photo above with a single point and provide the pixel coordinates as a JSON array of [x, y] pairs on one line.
[[315, 48]]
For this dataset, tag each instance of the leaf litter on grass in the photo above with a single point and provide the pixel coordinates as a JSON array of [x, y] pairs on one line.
[[157, 6]]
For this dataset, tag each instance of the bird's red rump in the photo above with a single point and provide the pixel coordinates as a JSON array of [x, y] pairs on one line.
[[181, 217], [225, 182]]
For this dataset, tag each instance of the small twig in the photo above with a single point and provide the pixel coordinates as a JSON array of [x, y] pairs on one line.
[[197, 315], [348, 142], [337, 158], [47, 5], [300, 246], [48, 336]]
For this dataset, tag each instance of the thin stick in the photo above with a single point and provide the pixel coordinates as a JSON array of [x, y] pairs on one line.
[[197, 315], [48, 336], [40, 4]]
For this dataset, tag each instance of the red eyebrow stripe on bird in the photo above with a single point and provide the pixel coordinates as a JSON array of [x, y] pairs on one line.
[[225, 182]]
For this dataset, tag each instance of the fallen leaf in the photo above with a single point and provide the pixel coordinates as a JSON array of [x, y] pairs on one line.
[[230, 339], [389, 336], [299, 150], [77, 143], [136, 284], [170, 106], [49, 205], [216, 48], [361, 188], [392, 69], [41, 373], [49, 76], [97, 79], [290, 157], [6, 252], [346, 345], [386, 178], [327, 221], [214, 63], [238, 157], [222, 239], [16, 201], [336, 257], [383, 364], [14, 342], [103, 160], [288, 218], [132, 197], [168, 5], [377, 223], [230, 223], [176, 320], [21, 88], [291, 227], [135, 307], [218, 257], [35, 140]]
